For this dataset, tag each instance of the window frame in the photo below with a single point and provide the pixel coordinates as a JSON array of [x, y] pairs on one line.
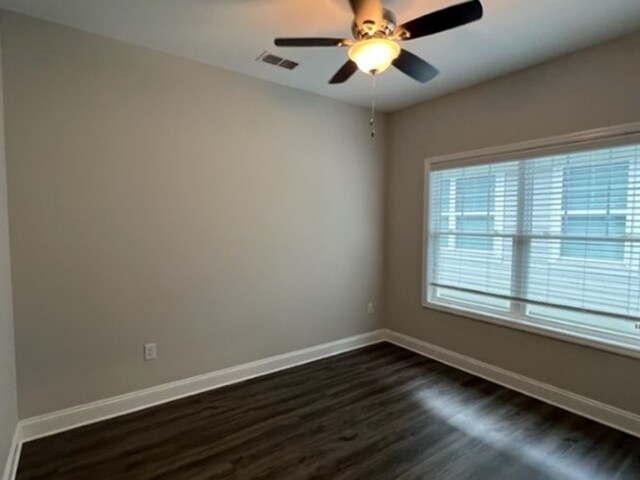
[[609, 137]]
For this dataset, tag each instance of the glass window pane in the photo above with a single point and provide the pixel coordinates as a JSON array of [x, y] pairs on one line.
[[469, 223], [475, 194], [593, 321], [445, 195], [593, 225], [596, 187]]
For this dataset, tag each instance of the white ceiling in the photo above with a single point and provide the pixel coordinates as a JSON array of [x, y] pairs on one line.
[[231, 33]]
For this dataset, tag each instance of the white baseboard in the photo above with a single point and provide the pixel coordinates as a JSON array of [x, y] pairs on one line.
[[11, 467], [49, 424], [56, 422], [600, 412]]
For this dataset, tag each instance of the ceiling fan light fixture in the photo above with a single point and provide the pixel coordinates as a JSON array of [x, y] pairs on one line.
[[374, 55]]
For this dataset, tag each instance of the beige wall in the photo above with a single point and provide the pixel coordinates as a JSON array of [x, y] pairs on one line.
[[8, 400], [156, 199], [598, 87]]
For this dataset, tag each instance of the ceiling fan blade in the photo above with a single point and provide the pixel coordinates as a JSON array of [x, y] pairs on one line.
[[444, 19], [367, 11], [310, 42], [344, 73], [415, 67]]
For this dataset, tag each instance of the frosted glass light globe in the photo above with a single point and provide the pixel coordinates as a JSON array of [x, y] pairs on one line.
[[374, 55]]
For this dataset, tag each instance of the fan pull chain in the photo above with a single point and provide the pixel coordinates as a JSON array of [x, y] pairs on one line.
[[372, 120]]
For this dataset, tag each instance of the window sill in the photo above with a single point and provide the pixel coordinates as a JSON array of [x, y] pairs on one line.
[[587, 340]]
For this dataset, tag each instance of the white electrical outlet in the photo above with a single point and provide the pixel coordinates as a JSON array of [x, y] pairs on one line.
[[370, 308], [150, 351]]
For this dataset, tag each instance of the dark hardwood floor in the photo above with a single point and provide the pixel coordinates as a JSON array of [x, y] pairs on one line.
[[380, 412]]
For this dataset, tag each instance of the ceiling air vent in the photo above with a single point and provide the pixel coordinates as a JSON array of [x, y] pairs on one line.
[[288, 64], [271, 59]]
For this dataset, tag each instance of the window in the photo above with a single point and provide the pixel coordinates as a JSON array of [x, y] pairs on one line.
[[551, 242]]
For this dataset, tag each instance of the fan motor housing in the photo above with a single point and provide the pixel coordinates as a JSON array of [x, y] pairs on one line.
[[370, 29]]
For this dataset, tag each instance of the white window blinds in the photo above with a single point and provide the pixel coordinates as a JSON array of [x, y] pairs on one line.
[[554, 240]]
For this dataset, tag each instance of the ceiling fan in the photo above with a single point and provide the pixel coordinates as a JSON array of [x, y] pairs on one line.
[[376, 36]]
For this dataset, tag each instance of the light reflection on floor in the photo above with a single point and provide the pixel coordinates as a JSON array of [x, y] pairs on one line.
[[495, 428]]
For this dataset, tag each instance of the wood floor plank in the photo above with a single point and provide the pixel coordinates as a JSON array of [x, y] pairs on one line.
[[380, 412]]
